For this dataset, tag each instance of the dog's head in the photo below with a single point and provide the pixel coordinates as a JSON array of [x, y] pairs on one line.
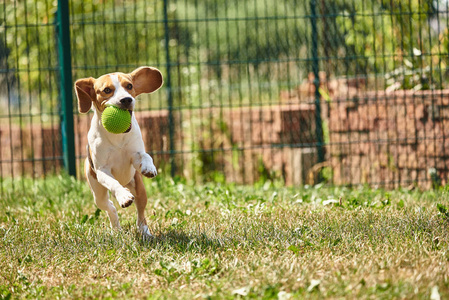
[[118, 89]]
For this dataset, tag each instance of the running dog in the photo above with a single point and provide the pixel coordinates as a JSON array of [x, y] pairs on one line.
[[116, 162]]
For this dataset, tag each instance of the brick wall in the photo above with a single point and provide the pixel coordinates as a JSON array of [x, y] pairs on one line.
[[270, 137], [386, 139], [390, 139], [29, 150], [238, 142], [36, 150], [243, 143]]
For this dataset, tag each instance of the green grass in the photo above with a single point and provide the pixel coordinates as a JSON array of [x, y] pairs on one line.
[[224, 241]]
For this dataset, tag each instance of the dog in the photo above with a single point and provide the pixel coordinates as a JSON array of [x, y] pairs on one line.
[[116, 162]]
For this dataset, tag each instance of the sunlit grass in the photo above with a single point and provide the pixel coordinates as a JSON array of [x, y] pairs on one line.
[[225, 241]]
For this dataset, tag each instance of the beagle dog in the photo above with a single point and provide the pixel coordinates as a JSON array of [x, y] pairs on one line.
[[116, 162]]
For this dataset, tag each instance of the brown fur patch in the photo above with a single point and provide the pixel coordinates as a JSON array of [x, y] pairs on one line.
[[100, 85]]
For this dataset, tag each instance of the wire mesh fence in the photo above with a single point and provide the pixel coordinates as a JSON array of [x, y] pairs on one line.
[[348, 91]]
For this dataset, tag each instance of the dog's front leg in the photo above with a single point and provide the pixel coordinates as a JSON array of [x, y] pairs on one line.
[[143, 163], [122, 194]]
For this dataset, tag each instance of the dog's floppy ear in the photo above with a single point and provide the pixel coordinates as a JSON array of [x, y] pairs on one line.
[[146, 80], [84, 89]]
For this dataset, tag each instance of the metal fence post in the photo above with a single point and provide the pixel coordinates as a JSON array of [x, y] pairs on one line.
[[65, 79], [316, 82], [169, 90]]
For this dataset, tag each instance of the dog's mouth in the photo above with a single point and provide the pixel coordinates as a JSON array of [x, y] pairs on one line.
[[131, 124]]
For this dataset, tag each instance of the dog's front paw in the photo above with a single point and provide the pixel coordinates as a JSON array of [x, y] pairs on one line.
[[124, 197], [149, 170]]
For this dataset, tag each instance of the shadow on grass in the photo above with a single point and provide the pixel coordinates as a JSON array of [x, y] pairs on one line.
[[179, 240]]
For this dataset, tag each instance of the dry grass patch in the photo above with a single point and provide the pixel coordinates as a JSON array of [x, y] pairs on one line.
[[224, 241]]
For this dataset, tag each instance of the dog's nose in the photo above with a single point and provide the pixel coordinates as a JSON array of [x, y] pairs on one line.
[[126, 101]]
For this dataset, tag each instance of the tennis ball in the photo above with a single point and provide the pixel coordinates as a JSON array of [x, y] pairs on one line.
[[116, 120]]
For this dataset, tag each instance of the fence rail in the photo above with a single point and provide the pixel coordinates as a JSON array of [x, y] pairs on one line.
[[350, 92]]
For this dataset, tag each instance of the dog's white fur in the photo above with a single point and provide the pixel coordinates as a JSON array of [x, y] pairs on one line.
[[117, 160]]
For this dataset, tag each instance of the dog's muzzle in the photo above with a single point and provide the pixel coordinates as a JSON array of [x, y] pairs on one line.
[[126, 103]]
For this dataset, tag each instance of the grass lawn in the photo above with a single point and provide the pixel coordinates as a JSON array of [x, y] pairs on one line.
[[225, 241]]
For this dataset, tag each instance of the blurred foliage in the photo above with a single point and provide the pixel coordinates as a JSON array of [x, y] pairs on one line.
[[27, 49], [110, 36], [238, 52], [394, 38], [254, 31], [258, 45]]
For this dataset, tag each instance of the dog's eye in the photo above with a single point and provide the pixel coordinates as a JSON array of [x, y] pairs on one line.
[[129, 86], [107, 90]]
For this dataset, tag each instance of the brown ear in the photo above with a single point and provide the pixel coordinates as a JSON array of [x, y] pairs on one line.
[[146, 80], [84, 89]]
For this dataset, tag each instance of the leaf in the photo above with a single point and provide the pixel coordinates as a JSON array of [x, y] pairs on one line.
[[325, 95], [443, 210], [326, 202], [293, 248], [84, 219], [435, 295], [314, 283], [242, 291], [417, 52], [282, 295]]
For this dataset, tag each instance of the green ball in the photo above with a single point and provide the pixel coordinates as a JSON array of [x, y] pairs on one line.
[[116, 120]]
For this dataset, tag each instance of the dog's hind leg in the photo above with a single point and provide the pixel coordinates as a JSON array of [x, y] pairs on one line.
[[101, 197], [137, 188]]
